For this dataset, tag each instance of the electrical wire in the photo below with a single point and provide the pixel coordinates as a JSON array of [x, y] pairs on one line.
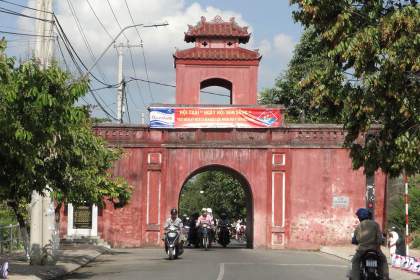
[[11, 12], [143, 52], [100, 22], [85, 40], [131, 53], [62, 55], [173, 86], [73, 55], [26, 34], [26, 7], [67, 42], [137, 82]]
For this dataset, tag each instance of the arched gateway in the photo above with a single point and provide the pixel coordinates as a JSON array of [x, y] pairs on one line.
[[248, 190], [303, 190]]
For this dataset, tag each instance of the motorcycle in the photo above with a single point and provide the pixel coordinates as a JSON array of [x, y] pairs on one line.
[[205, 236], [223, 236], [370, 263], [173, 246], [369, 266]]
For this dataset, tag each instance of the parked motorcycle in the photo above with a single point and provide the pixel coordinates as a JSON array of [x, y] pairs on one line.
[[173, 244], [223, 236]]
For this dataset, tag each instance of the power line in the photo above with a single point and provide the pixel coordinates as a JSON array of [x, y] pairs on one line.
[[131, 98], [142, 49], [100, 22], [26, 34], [11, 12], [173, 86], [131, 53], [135, 74], [62, 55], [85, 40], [73, 51], [14, 28], [73, 55], [26, 7], [115, 17]]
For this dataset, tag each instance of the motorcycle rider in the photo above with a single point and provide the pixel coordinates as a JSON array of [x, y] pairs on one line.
[[193, 232], [224, 222], [205, 219], [177, 222], [224, 219], [367, 236]]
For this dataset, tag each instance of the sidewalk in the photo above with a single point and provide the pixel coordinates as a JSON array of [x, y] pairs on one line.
[[347, 252], [68, 260]]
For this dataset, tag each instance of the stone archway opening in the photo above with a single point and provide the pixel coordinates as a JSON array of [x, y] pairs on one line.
[[216, 91], [224, 190]]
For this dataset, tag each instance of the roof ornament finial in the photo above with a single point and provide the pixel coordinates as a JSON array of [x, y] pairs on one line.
[[218, 19]]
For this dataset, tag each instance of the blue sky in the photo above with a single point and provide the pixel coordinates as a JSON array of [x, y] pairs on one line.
[[274, 33]]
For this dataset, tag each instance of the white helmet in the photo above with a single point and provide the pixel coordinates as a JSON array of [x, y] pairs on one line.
[[209, 210]]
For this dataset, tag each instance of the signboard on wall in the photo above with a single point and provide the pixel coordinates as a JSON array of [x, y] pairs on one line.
[[215, 117], [340, 202]]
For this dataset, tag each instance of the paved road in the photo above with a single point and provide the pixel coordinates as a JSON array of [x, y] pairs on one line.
[[216, 264]]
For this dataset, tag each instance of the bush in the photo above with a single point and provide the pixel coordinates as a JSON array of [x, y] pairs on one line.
[[7, 216], [416, 241]]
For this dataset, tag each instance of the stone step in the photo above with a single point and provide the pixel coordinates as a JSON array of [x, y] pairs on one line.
[[83, 242]]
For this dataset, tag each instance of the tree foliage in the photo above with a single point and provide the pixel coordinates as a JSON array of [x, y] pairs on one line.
[[220, 191], [376, 46], [301, 106], [47, 142]]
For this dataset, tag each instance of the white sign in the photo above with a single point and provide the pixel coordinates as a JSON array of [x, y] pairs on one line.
[[340, 202]]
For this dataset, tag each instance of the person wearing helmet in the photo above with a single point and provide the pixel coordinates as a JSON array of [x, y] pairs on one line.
[[174, 220], [367, 236], [205, 219]]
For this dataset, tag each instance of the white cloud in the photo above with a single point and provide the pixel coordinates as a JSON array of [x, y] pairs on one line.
[[265, 47], [284, 45], [159, 43]]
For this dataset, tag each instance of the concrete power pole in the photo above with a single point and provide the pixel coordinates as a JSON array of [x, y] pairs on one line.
[[42, 208], [121, 84]]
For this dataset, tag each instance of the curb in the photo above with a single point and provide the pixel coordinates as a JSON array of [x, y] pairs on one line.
[[397, 274]]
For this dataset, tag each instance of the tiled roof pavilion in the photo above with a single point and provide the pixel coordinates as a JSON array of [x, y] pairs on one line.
[[217, 28], [205, 32]]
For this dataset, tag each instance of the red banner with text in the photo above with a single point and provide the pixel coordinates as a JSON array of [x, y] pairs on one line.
[[215, 117]]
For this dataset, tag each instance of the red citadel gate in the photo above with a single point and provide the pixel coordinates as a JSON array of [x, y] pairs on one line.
[[301, 187]]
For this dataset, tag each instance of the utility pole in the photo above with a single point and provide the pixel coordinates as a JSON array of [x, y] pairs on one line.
[[42, 208], [120, 78]]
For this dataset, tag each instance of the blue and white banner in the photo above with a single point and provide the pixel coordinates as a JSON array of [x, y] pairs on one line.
[[162, 117]]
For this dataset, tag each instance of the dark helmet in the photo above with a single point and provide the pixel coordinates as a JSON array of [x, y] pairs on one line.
[[174, 211], [363, 214]]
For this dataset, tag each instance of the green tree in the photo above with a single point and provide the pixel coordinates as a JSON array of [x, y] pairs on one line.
[[217, 190], [301, 105], [376, 45], [47, 142]]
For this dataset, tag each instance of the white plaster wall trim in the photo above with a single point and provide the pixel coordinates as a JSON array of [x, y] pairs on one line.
[[71, 231]]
